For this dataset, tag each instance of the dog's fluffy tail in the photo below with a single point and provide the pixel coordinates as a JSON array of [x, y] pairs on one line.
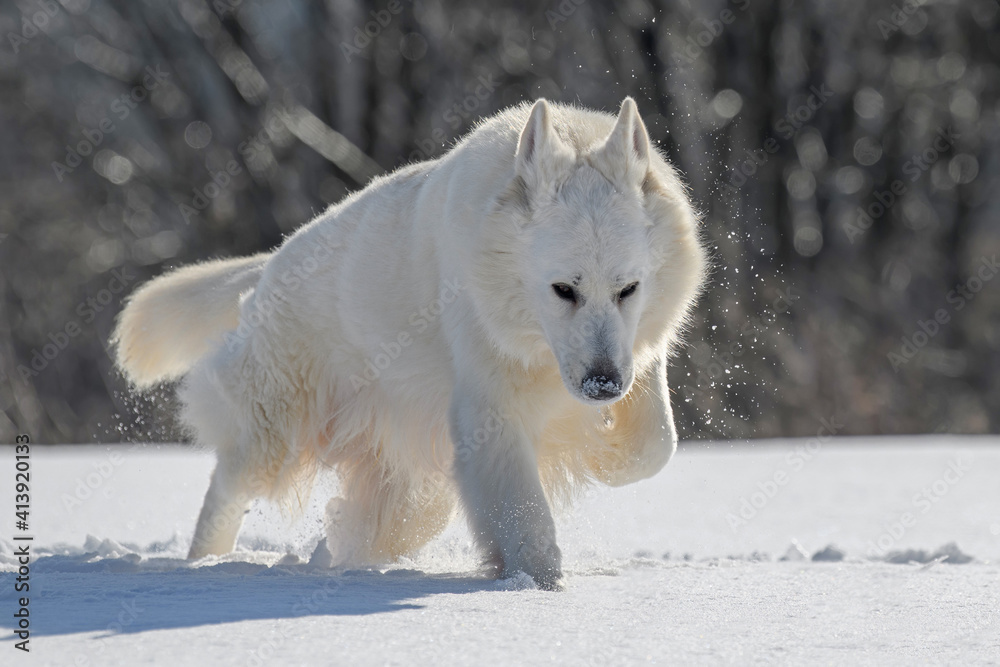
[[173, 320]]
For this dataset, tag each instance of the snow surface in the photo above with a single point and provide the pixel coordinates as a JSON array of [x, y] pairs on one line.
[[664, 571]]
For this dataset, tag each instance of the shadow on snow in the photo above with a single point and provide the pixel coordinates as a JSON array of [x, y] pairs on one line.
[[120, 595]]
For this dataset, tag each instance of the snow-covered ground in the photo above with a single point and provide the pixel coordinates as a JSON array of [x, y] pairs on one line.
[[685, 568]]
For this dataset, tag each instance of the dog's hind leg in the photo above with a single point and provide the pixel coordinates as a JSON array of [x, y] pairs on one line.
[[380, 518], [229, 497], [245, 400], [412, 517]]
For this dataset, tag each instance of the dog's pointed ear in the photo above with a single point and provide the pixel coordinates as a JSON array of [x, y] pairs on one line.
[[625, 154], [541, 154]]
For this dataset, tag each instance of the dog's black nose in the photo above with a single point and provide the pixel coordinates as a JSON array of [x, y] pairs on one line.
[[602, 382]]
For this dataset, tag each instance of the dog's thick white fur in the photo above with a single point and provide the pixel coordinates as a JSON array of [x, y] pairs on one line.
[[492, 325]]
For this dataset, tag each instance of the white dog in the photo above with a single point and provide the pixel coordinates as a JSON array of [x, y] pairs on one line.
[[495, 322]]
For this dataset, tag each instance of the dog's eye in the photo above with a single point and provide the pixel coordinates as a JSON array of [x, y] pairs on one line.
[[628, 291], [564, 292]]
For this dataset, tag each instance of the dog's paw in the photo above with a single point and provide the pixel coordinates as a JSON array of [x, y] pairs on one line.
[[556, 585], [542, 561], [521, 581]]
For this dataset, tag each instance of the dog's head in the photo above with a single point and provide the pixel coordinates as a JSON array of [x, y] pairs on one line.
[[598, 224]]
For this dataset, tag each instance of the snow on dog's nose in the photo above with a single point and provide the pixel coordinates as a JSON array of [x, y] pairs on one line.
[[603, 382]]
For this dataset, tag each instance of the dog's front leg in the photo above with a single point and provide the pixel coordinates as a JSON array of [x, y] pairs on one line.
[[497, 473], [641, 438]]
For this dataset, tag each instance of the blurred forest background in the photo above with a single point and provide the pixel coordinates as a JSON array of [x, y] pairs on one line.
[[845, 156]]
